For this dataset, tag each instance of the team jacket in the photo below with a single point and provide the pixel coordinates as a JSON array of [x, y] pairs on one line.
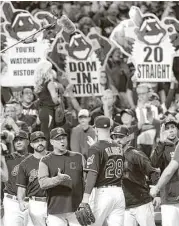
[[161, 157], [136, 167]]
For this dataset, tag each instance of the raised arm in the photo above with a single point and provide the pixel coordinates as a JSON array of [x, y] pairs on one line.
[[167, 173]]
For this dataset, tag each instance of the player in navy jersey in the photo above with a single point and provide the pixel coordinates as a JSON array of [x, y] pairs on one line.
[[161, 157], [105, 169], [27, 181], [12, 213], [139, 207], [61, 174]]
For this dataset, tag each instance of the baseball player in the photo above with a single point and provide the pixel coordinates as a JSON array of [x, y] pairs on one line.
[[164, 179], [163, 156], [27, 181], [61, 174], [105, 169], [12, 213], [139, 207]]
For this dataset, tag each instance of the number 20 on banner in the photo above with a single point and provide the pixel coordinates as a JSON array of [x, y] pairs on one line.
[[156, 53]]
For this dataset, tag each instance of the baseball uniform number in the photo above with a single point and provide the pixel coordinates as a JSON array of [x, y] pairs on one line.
[[114, 168]]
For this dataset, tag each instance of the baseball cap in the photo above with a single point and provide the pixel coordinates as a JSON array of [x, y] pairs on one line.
[[36, 135], [83, 112], [120, 130], [21, 134], [129, 112], [54, 133], [170, 121], [102, 122]]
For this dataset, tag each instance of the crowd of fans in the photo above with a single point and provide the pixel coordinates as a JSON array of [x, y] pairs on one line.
[[34, 108], [140, 106]]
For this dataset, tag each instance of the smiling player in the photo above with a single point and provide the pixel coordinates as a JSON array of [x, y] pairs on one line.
[[161, 157]]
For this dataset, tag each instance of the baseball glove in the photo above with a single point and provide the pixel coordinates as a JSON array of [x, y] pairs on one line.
[[84, 214]]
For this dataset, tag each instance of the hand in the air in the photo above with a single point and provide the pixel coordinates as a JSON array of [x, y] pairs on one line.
[[90, 141], [164, 135]]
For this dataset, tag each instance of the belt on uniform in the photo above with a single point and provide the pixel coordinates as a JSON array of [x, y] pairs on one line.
[[109, 186], [14, 197], [41, 199]]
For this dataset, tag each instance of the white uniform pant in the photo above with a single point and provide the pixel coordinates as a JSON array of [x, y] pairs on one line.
[[108, 206], [170, 215], [38, 212], [142, 215], [13, 216], [65, 219]]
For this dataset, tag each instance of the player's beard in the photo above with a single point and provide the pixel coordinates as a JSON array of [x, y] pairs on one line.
[[40, 149]]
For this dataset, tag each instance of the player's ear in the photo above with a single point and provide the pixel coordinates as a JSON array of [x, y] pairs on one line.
[[89, 119], [96, 130], [51, 142], [27, 142], [32, 145]]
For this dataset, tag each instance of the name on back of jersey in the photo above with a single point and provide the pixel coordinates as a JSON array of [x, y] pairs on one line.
[[113, 151]]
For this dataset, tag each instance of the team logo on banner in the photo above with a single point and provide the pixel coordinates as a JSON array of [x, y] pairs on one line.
[[46, 18], [21, 60], [149, 43], [81, 58]]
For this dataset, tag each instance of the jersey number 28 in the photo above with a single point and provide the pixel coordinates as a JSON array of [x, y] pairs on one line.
[[114, 168]]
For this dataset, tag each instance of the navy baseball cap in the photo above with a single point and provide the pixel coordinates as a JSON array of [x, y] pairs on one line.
[[36, 135], [54, 133], [120, 130], [102, 122], [128, 111], [21, 134], [170, 121]]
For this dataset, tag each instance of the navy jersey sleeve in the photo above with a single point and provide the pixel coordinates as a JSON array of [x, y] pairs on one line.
[[44, 160], [93, 161], [176, 154], [21, 177], [144, 163]]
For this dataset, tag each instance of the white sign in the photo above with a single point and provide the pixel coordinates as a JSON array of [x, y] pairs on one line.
[[84, 75], [21, 62], [81, 58], [149, 43], [153, 63]]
